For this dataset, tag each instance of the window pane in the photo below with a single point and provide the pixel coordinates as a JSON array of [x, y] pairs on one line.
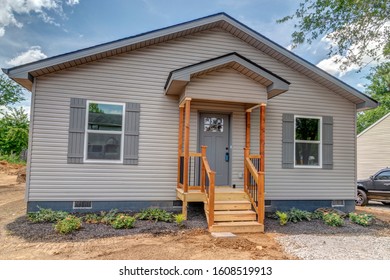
[[307, 129], [105, 116], [306, 154], [213, 124], [104, 146], [384, 176]]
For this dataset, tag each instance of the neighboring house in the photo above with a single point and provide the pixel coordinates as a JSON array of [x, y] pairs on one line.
[[373, 148], [209, 82]]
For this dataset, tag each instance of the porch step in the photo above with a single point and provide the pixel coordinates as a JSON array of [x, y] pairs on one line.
[[237, 227], [238, 215], [230, 195], [232, 205]]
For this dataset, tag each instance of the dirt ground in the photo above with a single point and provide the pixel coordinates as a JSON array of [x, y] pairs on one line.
[[185, 245]]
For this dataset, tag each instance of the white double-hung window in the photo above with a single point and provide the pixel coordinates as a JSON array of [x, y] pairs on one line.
[[104, 132], [307, 141]]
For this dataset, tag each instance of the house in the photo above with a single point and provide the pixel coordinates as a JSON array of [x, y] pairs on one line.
[[373, 148], [210, 110]]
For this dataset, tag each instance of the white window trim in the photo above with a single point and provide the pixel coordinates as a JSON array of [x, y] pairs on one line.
[[122, 133], [308, 141]]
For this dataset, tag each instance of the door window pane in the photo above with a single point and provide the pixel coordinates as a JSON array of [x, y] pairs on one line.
[[306, 154], [213, 124], [104, 146], [384, 176]]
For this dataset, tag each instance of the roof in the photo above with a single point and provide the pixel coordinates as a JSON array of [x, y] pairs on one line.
[[374, 124], [24, 74], [179, 78]]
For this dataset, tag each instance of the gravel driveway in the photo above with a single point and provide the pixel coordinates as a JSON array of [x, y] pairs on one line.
[[316, 241]]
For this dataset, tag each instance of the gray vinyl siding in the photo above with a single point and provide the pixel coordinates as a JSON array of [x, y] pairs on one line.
[[373, 149], [139, 77], [226, 85]]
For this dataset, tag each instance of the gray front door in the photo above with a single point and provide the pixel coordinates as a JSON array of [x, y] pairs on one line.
[[214, 133]]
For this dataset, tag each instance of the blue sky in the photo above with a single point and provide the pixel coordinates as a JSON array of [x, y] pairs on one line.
[[36, 29]]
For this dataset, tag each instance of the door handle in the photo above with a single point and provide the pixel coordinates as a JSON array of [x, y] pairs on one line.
[[227, 156], [387, 184]]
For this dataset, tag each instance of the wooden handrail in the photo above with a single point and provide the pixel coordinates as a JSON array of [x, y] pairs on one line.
[[192, 154], [210, 192], [256, 156], [252, 169]]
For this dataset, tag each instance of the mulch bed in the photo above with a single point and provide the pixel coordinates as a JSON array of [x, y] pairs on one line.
[[44, 232]]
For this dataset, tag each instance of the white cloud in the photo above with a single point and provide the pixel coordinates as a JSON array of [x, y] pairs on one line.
[[360, 85], [33, 54], [333, 63], [11, 7]]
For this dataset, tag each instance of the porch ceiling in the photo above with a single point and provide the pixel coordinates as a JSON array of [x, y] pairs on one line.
[[179, 78]]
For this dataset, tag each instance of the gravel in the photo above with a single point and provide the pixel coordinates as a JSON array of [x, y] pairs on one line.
[[315, 240]]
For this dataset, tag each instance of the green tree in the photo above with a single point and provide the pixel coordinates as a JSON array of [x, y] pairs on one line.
[[358, 28], [14, 126], [10, 92], [379, 89]]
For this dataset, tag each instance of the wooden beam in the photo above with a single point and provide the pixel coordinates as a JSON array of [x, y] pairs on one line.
[[248, 130], [203, 169], [262, 136], [184, 101], [246, 155], [180, 143], [261, 198], [186, 142], [211, 200]]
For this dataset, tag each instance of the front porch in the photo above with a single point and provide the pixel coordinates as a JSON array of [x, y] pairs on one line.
[[227, 209]]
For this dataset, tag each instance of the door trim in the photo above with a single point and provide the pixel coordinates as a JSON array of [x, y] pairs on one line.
[[229, 114]]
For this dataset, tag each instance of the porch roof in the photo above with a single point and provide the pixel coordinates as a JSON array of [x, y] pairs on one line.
[[179, 78]]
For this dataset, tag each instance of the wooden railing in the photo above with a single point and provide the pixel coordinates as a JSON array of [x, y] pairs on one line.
[[207, 178], [194, 163], [254, 183]]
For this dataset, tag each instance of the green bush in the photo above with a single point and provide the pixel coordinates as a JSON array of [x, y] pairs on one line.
[[333, 219], [283, 217], [12, 158], [361, 219], [108, 218], [14, 127], [123, 221], [68, 225], [317, 215], [155, 214], [92, 218], [179, 219], [296, 215], [46, 216]]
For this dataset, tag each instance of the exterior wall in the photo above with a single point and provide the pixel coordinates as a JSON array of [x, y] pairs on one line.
[[373, 149], [226, 85], [140, 76]]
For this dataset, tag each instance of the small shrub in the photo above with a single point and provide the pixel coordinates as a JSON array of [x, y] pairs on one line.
[[317, 215], [361, 219], [123, 221], [179, 219], [68, 225], [92, 218], [155, 214], [333, 219], [296, 215], [46, 216], [108, 218], [283, 217]]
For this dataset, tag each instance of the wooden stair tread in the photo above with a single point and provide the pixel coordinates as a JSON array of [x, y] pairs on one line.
[[247, 223], [234, 212], [232, 202], [237, 227]]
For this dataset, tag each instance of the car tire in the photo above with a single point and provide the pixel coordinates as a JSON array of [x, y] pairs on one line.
[[361, 198]]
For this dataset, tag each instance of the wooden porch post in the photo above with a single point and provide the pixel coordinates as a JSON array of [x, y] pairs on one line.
[[248, 130], [180, 146], [260, 193], [186, 143]]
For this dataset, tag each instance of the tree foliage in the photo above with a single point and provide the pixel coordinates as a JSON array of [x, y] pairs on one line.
[[10, 92], [14, 126], [356, 28], [379, 89]]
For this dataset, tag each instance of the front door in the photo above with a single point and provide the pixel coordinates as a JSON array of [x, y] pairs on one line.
[[214, 133]]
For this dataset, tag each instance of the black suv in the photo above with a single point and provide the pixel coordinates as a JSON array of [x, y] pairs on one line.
[[377, 187]]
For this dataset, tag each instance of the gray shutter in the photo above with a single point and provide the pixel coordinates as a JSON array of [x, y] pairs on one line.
[[76, 130], [131, 141], [288, 141], [327, 142]]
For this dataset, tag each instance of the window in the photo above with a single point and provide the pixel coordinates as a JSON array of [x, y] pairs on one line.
[[104, 127], [213, 124], [385, 175], [307, 141]]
